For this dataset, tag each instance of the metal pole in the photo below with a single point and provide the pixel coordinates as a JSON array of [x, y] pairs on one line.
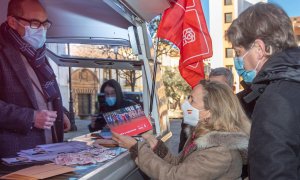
[[116, 58], [153, 78], [71, 109]]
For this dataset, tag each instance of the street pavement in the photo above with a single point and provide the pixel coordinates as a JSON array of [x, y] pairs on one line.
[[172, 143]]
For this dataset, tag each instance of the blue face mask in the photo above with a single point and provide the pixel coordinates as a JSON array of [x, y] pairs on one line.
[[35, 37], [248, 76], [110, 101]]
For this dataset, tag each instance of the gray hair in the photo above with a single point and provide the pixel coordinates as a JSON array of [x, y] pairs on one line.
[[265, 21], [222, 71]]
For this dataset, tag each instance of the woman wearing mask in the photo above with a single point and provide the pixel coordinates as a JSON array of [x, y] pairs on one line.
[[221, 75], [216, 148], [114, 100]]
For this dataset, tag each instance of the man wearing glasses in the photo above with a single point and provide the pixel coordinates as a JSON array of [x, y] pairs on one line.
[[31, 111]]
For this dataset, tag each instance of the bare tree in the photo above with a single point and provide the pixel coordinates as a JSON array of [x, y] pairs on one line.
[[104, 51], [130, 76]]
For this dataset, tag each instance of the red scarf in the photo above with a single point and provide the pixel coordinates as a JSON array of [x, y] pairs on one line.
[[190, 146]]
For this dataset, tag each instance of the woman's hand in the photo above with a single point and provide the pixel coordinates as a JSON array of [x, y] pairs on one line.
[[152, 141], [123, 141]]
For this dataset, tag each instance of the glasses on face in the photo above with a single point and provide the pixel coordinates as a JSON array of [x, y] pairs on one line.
[[35, 24]]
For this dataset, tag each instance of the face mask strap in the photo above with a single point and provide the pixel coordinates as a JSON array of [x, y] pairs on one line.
[[20, 23], [257, 64], [252, 45], [245, 54]]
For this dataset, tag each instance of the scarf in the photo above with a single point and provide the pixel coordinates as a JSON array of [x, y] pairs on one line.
[[190, 146], [37, 60]]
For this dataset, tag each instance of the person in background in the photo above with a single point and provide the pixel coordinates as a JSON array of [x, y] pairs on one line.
[[114, 100], [216, 148], [31, 111], [221, 75], [268, 57]]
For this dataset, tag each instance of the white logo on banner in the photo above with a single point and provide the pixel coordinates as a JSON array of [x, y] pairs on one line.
[[188, 36]]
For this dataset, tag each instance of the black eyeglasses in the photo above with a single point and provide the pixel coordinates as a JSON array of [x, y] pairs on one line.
[[35, 24]]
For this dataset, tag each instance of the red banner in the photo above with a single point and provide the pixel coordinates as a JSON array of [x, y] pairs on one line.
[[184, 24]]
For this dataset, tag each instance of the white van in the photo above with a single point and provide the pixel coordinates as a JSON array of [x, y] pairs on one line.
[[115, 23]]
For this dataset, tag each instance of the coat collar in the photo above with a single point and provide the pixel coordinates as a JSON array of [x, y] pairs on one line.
[[230, 140], [283, 65]]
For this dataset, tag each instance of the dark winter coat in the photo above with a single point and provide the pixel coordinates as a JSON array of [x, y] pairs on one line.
[[247, 106], [18, 103], [274, 148]]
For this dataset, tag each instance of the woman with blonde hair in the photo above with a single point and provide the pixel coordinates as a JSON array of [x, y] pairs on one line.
[[215, 150]]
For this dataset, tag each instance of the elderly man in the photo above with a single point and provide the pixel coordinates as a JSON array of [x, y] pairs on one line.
[[221, 75], [30, 101]]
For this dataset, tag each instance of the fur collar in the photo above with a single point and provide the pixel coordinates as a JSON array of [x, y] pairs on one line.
[[231, 140]]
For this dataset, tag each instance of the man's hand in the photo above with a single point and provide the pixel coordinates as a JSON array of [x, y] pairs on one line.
[[44, 119], [67, 123], [123, 141]]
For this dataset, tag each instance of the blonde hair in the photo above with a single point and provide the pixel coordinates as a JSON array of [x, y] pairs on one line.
[[225, 109]]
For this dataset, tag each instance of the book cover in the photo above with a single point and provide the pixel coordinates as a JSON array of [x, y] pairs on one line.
[[129, 121]]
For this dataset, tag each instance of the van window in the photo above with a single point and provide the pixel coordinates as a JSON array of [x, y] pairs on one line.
[[90, 66]]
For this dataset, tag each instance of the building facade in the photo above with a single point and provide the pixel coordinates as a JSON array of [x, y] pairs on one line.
[[296, 25], [221, 14]]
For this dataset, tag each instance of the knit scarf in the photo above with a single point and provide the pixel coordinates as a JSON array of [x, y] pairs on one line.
[[37, 60]]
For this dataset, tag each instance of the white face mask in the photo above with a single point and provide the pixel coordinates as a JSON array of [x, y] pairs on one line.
[[190, 114], [35, 37]]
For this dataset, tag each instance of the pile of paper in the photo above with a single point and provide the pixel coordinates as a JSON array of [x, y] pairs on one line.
[[67, 153], [46, 152], [90, 156]]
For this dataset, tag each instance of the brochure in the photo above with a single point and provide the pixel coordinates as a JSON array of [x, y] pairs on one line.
[[130, 120]]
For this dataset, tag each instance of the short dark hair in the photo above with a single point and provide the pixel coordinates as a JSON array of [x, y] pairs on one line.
[[265, 21], [222, 71]]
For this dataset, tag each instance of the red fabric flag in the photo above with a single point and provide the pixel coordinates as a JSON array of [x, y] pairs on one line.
[[184, 24]]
